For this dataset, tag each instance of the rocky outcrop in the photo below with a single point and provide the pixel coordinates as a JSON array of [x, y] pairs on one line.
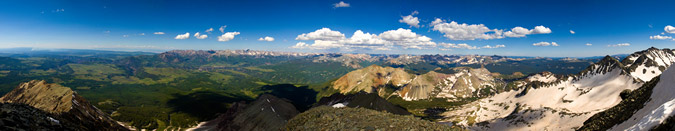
[[63, 103]]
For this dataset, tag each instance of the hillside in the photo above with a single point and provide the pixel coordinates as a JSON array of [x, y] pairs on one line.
[[328, 118]]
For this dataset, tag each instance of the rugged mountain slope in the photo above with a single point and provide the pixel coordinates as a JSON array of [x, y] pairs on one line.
[[560, 105], [265, 113], [649, 63], [362, 100], [466, 82], [62, 103], [372, 79], [328, 118]]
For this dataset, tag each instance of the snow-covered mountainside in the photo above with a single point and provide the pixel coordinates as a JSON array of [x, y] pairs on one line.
[[466, 82], [649, 63], [565, 102], [560, 105], [660, 106]]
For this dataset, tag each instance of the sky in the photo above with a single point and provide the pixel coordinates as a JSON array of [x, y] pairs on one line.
[[552, 28]]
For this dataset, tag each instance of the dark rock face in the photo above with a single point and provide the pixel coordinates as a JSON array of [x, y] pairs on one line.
[[62, 103], [266, 113], [24, 117], [363, 100]]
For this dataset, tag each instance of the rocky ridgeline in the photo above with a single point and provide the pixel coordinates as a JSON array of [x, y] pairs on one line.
[[65, 107]]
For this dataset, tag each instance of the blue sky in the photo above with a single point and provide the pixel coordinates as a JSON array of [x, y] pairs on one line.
[[611, 27]]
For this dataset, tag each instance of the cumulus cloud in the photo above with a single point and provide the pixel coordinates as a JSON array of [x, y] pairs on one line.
[[222, 28], [589, 44], [340, 4], [158, 33], [456, 31], [522, 32], [227, 36], [660, 37], [321, 34], [210, 29], [200, 36], [545, 44], [572, 32], [266, 38], [669, 29], [325, 39], [183, 36], [141, 34], [410, 20], [619, 45]]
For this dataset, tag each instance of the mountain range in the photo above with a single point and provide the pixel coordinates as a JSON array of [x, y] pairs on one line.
[[263, 90]]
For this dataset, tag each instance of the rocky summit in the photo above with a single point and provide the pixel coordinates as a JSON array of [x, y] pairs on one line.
[[62, 104]]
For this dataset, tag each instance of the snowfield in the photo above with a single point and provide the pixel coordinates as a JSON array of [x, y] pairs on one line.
[[658, 109], [562, 106]]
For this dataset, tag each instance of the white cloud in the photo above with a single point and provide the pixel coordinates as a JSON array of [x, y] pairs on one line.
[[669, 29], [660, 37], [183, 36], [545, 44], [158, 33], [300, 45], [572, 32], [227, 36], [492, 47], [321, 34], [589, 44], [410, 20], [222, 28], [141, 34], [448, 46], [406, 38], [209, 30], [456, 31], [340, 4], [522, 32], [619, 45], [266, 38], [58, 10], [464, 31], [200, 36], [325, 39], [125, 35], [458, 46]]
